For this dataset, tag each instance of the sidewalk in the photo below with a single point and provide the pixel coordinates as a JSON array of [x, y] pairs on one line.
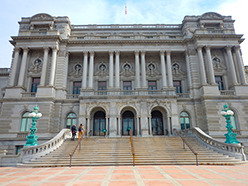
[[126, 176]]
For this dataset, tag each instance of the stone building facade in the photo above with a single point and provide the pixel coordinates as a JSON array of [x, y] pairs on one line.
[[148, 77]]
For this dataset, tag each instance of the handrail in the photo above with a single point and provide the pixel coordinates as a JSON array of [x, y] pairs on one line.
[[185, 142], [78, 144], [30, 152], [236, 150], [132, 146]]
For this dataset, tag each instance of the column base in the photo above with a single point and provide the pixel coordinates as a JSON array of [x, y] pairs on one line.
[[14, 92], [241, 90], [47, 91], [210, 90]]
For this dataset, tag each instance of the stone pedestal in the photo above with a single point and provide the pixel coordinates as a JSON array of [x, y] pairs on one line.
[[208, 90], [14, 92], [48, 91]]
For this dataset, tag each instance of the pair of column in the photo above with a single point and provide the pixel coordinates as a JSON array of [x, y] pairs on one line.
[[231, 66], [23, 67], [117, 69], [137, 69], [163, 69], [91, 70]]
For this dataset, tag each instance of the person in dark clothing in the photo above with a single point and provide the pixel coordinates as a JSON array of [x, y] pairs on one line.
[[73, 131]]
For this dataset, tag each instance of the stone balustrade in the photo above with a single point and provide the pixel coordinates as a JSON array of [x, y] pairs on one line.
[[234, 150], [28, 153], [227, 92]]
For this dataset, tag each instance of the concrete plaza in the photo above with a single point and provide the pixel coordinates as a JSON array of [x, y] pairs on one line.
[[125, 176]]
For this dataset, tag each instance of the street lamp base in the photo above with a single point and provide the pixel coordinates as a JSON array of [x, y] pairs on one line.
[[231, 138], [32, 140]]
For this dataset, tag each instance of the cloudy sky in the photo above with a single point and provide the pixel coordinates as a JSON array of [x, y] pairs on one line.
[[113, 12]]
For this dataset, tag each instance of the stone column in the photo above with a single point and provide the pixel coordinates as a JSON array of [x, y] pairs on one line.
[[107, 125], [231, 66], [138, 126], [188, 70], [85, 70], [163, 70], [137, 69], [91, 70], [150, 124], [143, 69], [44, 67], [66, 69], [23, 67], [53, 66], [119, 125], [117, 69], [210, 66], [169, 69], [240, 65], [201, 66], [111, 69], [14, 67]]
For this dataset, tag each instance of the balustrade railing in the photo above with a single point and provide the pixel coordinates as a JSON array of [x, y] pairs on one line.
[[235, 150], [29, 94], [227, 92], [28, 153], [188, 145], [123, 26]]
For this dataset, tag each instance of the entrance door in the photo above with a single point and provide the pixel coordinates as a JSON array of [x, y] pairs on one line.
[[157, 123], [99, 124], [127, 123]]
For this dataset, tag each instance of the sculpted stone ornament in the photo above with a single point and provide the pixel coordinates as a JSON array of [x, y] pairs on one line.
[[218, 64], [127, 69], [151, 70], [102, 69], [176, 70], [42, 17], [76, 70], [211, 15], [36, 66]]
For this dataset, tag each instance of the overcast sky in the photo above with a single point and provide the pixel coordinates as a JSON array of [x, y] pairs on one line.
[[113, 12]]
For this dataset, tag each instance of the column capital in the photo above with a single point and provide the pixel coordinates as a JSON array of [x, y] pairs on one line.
[[55, 48], [237, 47], [168, 52], [17, 49], [46, 48], [111, 52], [208, 47], [228, 47], [136, 52], [199, 47], [161, 52], [143, 52], [92, 53], [85, 53], [25, 49], [117, 52]]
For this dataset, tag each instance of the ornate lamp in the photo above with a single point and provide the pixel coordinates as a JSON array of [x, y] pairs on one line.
[[32, 138], [230, 136]]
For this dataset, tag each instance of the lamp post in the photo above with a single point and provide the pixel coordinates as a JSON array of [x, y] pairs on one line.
[[32, 138], [230, 136]]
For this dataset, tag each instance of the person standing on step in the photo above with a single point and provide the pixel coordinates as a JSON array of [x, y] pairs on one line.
[[80, 131], [73, 131]]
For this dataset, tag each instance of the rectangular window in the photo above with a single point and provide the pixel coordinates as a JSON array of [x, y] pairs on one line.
[[219, 81], [152, 85], [127, 85], [35, 83], [102, 87], [178, 86], [76, 87]]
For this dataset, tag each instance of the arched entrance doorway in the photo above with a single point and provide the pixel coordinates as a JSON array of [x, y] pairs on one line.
[[99, 123], [157, 123], [127, 123]]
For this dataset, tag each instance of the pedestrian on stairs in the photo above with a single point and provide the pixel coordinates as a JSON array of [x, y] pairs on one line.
[[73, 131], [80, 131]]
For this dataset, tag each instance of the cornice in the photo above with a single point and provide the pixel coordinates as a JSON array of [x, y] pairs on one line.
[[234, 36], [16, 38]]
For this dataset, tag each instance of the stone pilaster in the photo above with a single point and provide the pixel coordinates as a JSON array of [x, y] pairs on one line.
[[84, 84], [163, 70], [14, 67], [137, 69], [23, 67]]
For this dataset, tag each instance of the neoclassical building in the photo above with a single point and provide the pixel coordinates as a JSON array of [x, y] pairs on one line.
[[148, 77]]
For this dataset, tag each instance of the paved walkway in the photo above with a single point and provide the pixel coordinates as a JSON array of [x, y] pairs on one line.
[[126, 176]]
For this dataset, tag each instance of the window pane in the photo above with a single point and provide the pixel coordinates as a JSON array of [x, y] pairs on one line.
[[233, 122]]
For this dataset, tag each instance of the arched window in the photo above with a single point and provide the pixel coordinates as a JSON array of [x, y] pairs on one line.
[[234, 121], [25, 123], [184, 120], [71, 119]]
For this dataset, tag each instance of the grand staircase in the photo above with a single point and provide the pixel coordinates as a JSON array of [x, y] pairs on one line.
[[117, 151]]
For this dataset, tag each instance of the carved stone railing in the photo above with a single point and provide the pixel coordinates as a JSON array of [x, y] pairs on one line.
[[183, 95], [29, 153], [29, 94], [125, 26], [129, 93], [72, 96], [234, 150], [227, 92]]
